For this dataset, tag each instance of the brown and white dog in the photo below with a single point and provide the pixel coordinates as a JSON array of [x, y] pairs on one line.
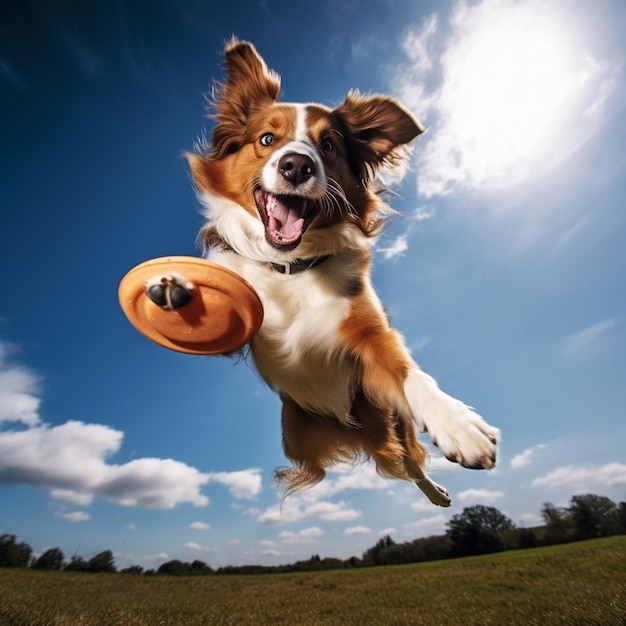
[[290, 204]]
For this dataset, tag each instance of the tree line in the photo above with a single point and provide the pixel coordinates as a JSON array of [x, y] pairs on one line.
[[476, 530]]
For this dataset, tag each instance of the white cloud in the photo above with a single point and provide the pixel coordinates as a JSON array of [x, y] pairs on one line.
[[74, 516], [417, 44], [482, 496], [523, 458], [197, 547], [295, 508], [575, 343], [584, 478], [357, 530], [434, 524], [410, 78], [308, 535], [71, 460], [73, 497], [252, 511], [401, 243], [528, 520], [363, 476], [270, 553], [517, 78], [422, 505], [422, 213], [200, 526], [332, 511], [19, 389], [153, 484], [398, 247], [420, 344], [243, 484]]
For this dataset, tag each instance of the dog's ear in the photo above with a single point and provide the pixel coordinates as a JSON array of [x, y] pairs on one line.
[[375, 128], [250, 86]]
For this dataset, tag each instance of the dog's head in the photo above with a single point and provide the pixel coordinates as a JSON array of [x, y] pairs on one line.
[[278, 173]]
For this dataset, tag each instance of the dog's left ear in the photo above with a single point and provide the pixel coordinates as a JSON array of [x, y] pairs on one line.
[[376, 126]]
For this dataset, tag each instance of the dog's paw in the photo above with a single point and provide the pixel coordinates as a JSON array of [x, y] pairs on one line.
[[462, 435], [170, 291], [434, 492]]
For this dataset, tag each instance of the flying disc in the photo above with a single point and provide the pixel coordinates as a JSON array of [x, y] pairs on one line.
[[223, 314]]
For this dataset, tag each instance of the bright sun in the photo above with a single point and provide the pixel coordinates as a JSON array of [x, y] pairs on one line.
[[517, 93]]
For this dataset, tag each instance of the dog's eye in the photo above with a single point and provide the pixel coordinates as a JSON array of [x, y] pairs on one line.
[[267, 139], [327, 145]]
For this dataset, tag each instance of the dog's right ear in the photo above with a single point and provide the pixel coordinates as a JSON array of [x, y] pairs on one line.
[[250, 86]]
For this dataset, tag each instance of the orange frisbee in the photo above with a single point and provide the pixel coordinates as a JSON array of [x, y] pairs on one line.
[[223, 313]]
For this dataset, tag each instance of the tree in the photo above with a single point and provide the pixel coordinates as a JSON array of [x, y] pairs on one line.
[[557, 523], [174, 568], [478, 530], [200, 568], [133, 569], [76, 564], [13, 554], [526, 538], [593, 516], [376, 554], [621, 518], [102, 563], [51, 559]]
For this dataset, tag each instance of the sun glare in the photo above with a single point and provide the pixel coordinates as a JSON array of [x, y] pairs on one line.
[[510, 88], [518, 93]]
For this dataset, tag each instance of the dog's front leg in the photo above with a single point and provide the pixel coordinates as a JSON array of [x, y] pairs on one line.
[[461, 434]]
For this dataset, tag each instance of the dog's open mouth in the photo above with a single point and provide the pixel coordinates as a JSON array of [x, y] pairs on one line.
[[285, 217]]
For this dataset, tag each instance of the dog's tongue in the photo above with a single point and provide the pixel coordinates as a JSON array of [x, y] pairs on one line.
[[286, 218]]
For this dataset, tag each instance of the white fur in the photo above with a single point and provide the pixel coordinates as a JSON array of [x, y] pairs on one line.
[[302, 315], [461, 434], [272, 181]]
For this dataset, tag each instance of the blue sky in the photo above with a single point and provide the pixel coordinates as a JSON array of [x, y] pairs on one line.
[[504, 267]]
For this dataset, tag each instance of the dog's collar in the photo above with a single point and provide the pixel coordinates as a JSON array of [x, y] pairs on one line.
[[299, 265]]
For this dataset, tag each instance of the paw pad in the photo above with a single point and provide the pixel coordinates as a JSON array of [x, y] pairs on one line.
[[170, 292]]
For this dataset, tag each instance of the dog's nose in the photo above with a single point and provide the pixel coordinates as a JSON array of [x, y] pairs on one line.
[[296, 168]]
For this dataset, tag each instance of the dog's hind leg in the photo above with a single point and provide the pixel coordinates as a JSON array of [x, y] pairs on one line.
[[310, 443], [414, 463], [385, 366], [389, 438]]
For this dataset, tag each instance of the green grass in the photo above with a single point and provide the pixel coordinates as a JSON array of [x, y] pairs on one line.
[[582, 583]]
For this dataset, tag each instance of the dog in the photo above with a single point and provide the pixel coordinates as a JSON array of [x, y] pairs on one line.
[[292, 205]]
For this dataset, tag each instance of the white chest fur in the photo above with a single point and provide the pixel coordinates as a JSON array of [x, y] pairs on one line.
[[296, 350]]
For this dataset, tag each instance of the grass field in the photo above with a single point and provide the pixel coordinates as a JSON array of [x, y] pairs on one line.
[[582, 583]]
